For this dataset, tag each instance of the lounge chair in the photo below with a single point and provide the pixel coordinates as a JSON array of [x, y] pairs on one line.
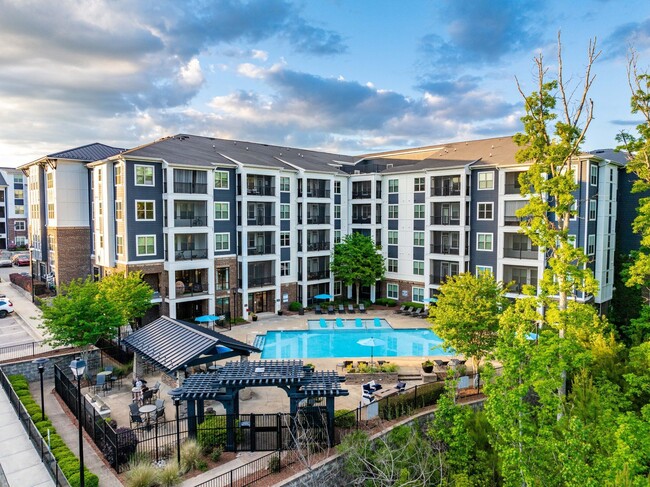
[[134, 416], [318, 310], [377, 323], [358, 323], [401, 309], [341, 308], [417, 312], [362, 308], [408, 310], [351, 309], [339, 323], [330, 310], [323, 323], [400, 386]]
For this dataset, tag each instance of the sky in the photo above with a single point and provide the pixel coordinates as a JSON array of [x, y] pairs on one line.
[[345, 76]]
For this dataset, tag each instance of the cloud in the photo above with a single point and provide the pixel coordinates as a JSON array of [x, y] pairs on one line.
[[632, 34]]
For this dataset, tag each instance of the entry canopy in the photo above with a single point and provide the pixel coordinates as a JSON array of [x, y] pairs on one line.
[[172, 345]]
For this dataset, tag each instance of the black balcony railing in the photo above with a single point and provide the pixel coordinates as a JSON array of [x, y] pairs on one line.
[[439, 278], [191, 188], [315, 246], [361, 219], [318, 193], [259, 281], [361, 194], [318, 220], [444, 220], [513, 188], [511, 220], [193, 254], [518, 286], [192, 221], [262, 220], [444, 249], [317, 275], [261, 191], [261, 250], [445, 190], [521, 253]]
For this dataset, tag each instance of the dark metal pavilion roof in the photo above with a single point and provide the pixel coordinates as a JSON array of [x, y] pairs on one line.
[[280, 373], [171, 344]]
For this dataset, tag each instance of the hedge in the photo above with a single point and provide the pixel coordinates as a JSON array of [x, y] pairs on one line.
[[68, 462], [212, 432], [401, 405]]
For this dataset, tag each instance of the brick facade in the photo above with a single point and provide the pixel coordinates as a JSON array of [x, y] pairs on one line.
[[231, 264], [291, 289], [71, 253], [403, 286]]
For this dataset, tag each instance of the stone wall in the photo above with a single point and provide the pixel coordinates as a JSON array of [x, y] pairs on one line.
[[30, 371]]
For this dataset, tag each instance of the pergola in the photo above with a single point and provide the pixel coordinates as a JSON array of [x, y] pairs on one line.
[[299, 381]]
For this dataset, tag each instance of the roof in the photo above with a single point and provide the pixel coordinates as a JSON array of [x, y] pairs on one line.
[[3, 182], [621, 157], [208, 151], [172, 345], [90, 152]]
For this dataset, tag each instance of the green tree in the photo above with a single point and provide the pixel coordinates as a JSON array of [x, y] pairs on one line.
[[466, 315], [356, 261], [129, 293], [80, 315]]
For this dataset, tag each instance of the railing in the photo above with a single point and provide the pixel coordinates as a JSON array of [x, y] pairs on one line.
[[444, 220], [445, 191], [261, 250], [444, 249], [315, 246], [439, 278], [518, 287], [361, 219], [262, 220], [191, 188], [363, 194], [111, 349], [513, 188], [318, 193], [261, 191], [318, 220], [314, 276], [193, 254], [521, 253], [511, 220], [259, 281], [23, 350], [196, 221], [34, 435]]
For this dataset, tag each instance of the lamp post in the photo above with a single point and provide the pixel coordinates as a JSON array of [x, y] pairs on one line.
[[234, 299], [41, 368], [31, 270], [78, 366], [175, 393]]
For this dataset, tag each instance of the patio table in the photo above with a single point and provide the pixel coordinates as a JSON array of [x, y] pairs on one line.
[[146, 410]]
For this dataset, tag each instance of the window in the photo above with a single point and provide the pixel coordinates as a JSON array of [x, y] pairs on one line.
[[393, 185], [418, 211], [418, 184], [223, 279], [50, 180], [19, 225], [418, 294], [337, 237], [592, 210], [285, 184], [221, 180], [21, 241], [221, 242], [483, 269], [146, 245], [392, 291], [418, 267], [591, 245], [285, 267], [144, 175], [393, 237], [145, 210], [593, 175], [418, 239], [20, 210], [18, 179], [574, 211], [19, 194], [485, 211], [50, 210], [337, 187], [391, 265], [484, 241], [118, 210], [285, 212], [572, 240], [222, 211], [486, 180], [392, 211], [337, 211], [338, 288], [119, 244], [118, 175], [285, 239]]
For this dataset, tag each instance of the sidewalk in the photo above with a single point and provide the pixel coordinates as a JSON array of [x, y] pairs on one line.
[[18, 458], [242, 459]]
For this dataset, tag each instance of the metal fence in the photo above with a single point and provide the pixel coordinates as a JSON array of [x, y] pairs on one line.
[[34, 435], [23, 350]]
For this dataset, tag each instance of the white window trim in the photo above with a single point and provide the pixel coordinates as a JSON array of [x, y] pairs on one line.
[[389, 212], [396, 265], [155, 245], [592, 170], [491, 242], [135, 175], [215, 242], [424, 211], [483, 268], [413, 294], [593, 203], [227, 180], [288, 266], [214, 210], [285, 234], [413, 268], [395, 190], [423, 238], [478, 212], [121, 237], [283, 205], [22, 224], [389, 240], [289, 182], [478, 181], [121, 210], [388, 292], [591, 242], [153, 202]]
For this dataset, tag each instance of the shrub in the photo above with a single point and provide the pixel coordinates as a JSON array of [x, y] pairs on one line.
[[190, 456], [202, 465], [396, 406], [295, 306], [169, 475], [141, 474], [216, 454], [386, 302], [212, 432], [345, 418], [274, 464], [43, 426]]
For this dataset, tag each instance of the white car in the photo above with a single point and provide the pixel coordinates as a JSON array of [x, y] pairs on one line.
[[5, 260], [6, 307]]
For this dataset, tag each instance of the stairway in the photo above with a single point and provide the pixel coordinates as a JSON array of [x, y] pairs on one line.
[[409, 374]]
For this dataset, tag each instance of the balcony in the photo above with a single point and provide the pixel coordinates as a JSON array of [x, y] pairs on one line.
[[521, 253], [317, 275], [318, 219], [446, 191], [193, 254], [513, 220], [259, 281], [261, 220], [317, 246], [260, 190], [190, 188], [261, 250], [444, 220], [361, 219], [357, 195], [318, 193], [518, 286], [439, 278], [444, 249], [514, 188], [191, 221]]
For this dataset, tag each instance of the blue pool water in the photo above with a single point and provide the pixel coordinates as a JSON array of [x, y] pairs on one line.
[[341, 342]]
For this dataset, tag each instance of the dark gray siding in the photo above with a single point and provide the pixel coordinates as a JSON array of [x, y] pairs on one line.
[[285, 225], [483, 258], [418, 253], [393, 224], [627, 203], [392, 251], [285, 254], [393, 198], [419, 197], [285, 197], [226, 195], [418, 224]]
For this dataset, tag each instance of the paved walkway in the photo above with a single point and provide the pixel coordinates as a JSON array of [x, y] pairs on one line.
[[18, 459]]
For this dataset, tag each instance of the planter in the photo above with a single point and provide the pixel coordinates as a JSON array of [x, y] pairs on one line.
[[381, 377], [427, 369], [254, 318]]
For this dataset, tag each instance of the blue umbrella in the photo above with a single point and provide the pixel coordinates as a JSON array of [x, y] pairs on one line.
[[323, 296], [205, 318]]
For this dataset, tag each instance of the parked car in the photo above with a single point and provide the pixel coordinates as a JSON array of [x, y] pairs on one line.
[[6, 307], [5, 260], [20, 259]]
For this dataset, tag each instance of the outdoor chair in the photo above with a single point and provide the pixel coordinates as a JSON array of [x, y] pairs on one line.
[[401, 310], [160, 408], [417, 312], [134, 416], [408, 310], [341, 308], [318, 310], [147, 396], [330, 310], [362, 308], [100, 383], [156, 388], [400, 386], [351, 309]]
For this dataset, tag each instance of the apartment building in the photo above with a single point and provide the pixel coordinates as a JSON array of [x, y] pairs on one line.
[[233, 227], [13, 209]]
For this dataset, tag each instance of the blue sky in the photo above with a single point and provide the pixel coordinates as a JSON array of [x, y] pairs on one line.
[[348, 76]]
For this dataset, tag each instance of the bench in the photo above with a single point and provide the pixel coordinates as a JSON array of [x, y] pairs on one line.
[[100, 406]]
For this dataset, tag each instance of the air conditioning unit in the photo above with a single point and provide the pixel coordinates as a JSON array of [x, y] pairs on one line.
[[388, 166], [356, 171]]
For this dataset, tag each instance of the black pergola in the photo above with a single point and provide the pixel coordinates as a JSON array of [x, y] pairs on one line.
[[299, 382]]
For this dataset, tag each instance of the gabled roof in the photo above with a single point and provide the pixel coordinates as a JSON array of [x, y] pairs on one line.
[[172, 345], [2, 180], [88, 153], [621, 157]]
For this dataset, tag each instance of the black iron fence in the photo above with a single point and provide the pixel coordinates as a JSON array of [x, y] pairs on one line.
[[253, 471], [35, 437], [113, 350], [23, 350]]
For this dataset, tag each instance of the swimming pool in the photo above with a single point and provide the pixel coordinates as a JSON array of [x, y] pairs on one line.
[[342, 343]]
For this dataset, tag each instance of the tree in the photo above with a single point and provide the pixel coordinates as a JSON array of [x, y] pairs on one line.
[[129, 293], [466, 315], [356, 261], [80, 315]]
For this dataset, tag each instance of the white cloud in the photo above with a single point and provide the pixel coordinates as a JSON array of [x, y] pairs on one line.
[[191, 74]]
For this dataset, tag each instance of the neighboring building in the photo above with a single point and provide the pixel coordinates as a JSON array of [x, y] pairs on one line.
[[59, 213], [222, 226], [13, 209]]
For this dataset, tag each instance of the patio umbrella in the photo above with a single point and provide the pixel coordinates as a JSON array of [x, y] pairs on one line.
[[206, 319], [371, 342], [323, 296]]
